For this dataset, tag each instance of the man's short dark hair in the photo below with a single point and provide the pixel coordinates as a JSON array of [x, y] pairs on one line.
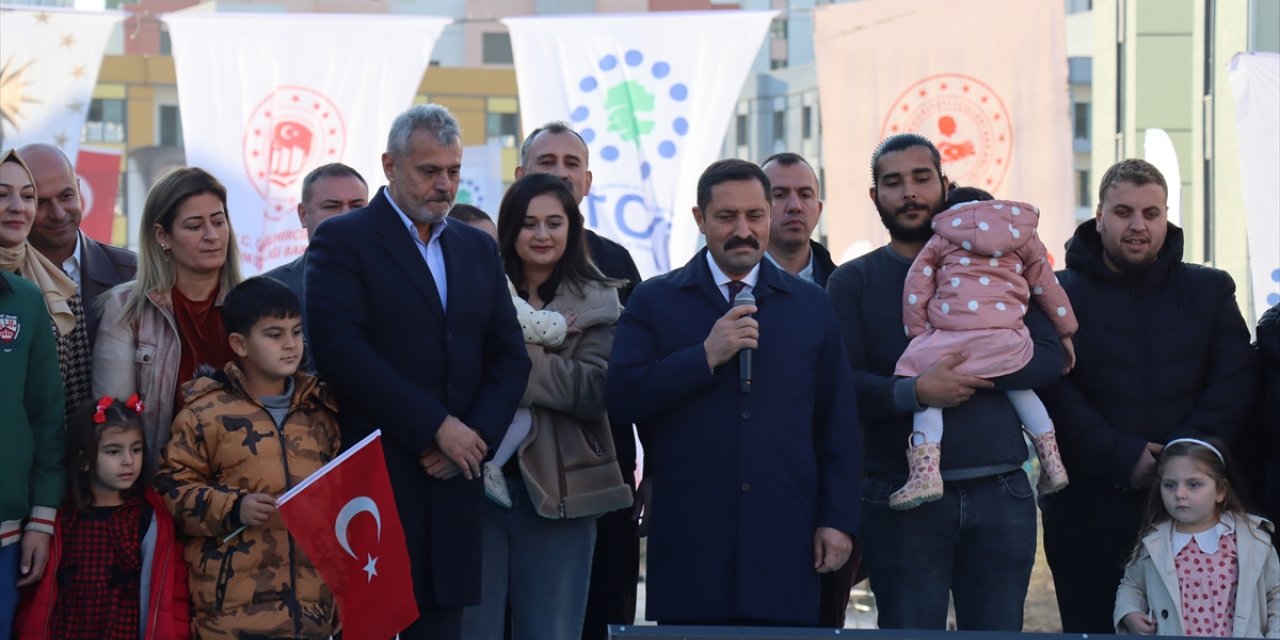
[[555, 126], [788, 159], [1134, 171], [331, 170], [902, 142], [257, 298], [730, 170], [468, 213]]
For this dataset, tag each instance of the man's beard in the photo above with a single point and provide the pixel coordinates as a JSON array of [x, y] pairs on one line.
[[903, 233]]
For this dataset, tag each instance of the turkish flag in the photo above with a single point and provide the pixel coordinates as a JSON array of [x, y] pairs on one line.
[[344, 517], [99, 174]]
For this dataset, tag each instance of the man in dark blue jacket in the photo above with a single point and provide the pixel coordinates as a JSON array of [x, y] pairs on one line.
[[977, 544], [412, 323], [755, 488], [1162, 353]]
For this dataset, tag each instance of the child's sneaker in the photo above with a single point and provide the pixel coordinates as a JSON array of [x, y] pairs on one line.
[[495, 485]]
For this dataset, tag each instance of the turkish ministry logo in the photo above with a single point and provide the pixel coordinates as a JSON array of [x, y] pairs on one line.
[[290, 131], [350, 510], [966, 120]]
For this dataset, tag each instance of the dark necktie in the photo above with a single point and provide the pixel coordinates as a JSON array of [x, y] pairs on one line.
[[735, 287]]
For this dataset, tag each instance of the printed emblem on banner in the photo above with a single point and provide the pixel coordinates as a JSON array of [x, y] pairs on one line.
[[291, 131], [10, 327], [965, 119], [633, 113], [471, 192]]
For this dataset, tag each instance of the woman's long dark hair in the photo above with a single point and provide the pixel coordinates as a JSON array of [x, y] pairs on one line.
[[83, 436], [575, 267]]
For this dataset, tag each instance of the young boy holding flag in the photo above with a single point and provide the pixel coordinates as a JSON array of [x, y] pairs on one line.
[[246, 435]]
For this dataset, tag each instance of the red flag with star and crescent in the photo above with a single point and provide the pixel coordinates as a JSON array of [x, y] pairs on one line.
[[344, 517]]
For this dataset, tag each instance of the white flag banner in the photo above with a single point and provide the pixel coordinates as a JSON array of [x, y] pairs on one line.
[[480, 183], [49, 60], [1255, 84], [652, 95], [267, 98], [1157, 148], [985, 80]]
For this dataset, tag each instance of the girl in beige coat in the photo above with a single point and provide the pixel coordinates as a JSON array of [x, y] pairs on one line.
[[1203, 566]]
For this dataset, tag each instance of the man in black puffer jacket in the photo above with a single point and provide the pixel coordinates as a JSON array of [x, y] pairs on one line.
[[1163, 352]]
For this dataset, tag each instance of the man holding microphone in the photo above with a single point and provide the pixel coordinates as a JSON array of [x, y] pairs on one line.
[[755, 468]]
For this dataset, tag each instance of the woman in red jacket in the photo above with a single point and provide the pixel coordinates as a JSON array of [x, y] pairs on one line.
[[115, 570]]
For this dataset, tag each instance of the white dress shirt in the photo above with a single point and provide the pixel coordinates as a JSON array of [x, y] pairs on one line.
[[722, 280], [432, 252]]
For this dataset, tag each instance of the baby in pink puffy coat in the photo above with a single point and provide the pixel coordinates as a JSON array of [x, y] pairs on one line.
[[968, 291]]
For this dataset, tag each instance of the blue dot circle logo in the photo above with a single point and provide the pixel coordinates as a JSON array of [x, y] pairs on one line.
[[619, 108]]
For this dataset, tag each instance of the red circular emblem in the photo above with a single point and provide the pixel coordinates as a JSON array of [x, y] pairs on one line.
[[965, 119], [290, 132]]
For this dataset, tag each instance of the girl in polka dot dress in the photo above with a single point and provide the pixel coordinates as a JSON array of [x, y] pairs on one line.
[[1202, 566], [967, 292], [541, 327]]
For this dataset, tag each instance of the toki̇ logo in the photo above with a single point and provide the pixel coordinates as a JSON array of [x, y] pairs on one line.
[[633, 114], [471, 192]]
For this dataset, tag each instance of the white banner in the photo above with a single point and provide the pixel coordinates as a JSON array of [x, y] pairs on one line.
[[481, 179], [1255, 84], [652, 95], [267, 98], [985, 80], [49, 60], [1158, 149]]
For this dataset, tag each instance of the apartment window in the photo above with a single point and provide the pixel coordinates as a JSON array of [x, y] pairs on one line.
[[105, 121], [777, 63], [742, 128], [779, 126], [495, 48], [170, 126], [1082, 120], [166, 42], [806, 126], [502, 128], [1084, 189], [778, 28]]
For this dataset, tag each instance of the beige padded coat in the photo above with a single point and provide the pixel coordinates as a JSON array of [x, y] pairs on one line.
[[568, 460]]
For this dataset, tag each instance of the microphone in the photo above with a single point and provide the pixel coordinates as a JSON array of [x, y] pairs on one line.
[[744, 298]]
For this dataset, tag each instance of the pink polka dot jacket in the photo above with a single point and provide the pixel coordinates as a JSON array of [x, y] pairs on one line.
[[969, 288]]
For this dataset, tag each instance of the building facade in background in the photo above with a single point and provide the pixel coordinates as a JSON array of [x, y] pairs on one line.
[[1134, 65]]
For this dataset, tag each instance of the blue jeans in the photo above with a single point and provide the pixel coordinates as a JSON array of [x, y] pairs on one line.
[[977, 544], [541, 566], [9, 558]]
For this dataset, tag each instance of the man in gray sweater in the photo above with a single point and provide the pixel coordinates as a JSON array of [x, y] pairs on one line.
[[977, 544]]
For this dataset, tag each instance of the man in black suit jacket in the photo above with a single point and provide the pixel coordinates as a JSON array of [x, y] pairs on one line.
[[412, 323], [94, 266], [329, 190], [797, 206]]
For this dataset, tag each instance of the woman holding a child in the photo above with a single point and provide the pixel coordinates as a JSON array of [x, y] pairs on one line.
[[158, 328], [557, 468]]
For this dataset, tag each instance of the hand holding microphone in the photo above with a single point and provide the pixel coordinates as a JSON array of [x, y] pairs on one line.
[[734, 331]]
